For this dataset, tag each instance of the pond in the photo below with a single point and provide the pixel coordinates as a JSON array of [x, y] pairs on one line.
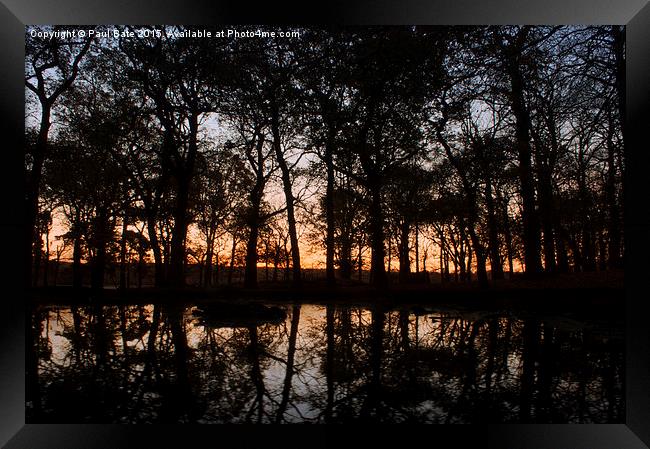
[[311, 363]]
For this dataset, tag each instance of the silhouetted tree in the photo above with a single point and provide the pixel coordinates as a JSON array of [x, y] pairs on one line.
[[51, 67]]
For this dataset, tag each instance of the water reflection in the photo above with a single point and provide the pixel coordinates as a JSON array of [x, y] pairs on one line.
[[322, 364]]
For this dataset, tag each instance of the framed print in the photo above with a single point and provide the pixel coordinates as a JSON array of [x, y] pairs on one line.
[[424, 221]]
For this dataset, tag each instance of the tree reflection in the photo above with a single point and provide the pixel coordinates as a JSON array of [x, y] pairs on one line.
[[291, 353], [136, 363]]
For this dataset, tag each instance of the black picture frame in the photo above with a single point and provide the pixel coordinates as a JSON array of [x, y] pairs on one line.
[[15, 14]]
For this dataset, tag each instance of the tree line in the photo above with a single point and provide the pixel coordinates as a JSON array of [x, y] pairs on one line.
[[476, 149]]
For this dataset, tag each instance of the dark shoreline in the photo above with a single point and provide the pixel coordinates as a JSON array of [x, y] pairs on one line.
[[526, 296]]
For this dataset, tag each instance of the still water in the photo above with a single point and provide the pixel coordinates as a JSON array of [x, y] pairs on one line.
[[320, 364]]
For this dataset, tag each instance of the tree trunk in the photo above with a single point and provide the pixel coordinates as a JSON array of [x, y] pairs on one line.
[[496, 266], [506, 232], [33, 187], [531, 234], [404, 261], [461, 255], [77, 278], [560, 244], [57, 263], [123, 254], [209, 255], [377, 268], [470, 255], [254, 222], [587, 250], [440, 257], [545, 155], [479, 250], [100, 240], [547, 214], [217, 269], [232, 259], [184, 174], [250, 273], [345, 257], [46, 262], [390, 253], [176, 277], [329, 210], [417, 249], [288, 194], [159, 268], [38, 247], [602, 252], [360, 262]]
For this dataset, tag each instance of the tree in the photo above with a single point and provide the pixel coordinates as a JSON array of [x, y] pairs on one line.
[[51, 67], [221, 181], [407, 197], [183, 82], [322, 75], [512, 45], [393, 75]]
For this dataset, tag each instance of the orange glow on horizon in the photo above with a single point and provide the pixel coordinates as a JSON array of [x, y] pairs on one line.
[[312, 257]]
